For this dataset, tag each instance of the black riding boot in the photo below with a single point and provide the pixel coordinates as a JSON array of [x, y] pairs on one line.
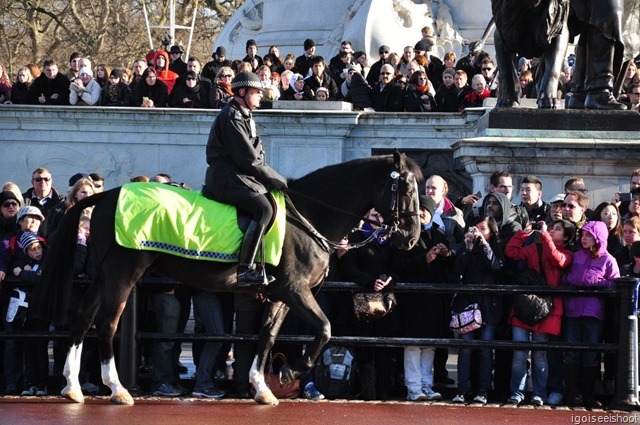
[[247, 274]]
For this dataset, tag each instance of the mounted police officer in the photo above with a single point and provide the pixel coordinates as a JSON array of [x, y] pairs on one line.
[[238, 173]]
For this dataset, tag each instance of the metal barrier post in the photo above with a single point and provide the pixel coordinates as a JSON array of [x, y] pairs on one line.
[[625, 393], [128, 362]]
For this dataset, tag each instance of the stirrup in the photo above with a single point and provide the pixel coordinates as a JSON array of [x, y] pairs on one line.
[[251, 277]]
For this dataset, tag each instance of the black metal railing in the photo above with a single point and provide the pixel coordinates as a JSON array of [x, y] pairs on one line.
[[626, 292]]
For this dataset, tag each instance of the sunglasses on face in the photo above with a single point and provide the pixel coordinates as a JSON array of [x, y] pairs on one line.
[[487, 69], [40, 179], [570, 206], [10, 204], [385, 73]]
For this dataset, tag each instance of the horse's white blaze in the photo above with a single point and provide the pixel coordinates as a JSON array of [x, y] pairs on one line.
[[72, 368], [257, 378]]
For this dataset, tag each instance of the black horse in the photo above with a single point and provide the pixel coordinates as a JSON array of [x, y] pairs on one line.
[[387, 183]]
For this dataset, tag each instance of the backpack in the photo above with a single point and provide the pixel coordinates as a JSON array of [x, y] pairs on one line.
[[532, 308], [335, 372]]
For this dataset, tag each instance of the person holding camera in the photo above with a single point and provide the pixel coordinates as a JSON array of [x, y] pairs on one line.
[[549, 250], [623, 199], [479, 263]]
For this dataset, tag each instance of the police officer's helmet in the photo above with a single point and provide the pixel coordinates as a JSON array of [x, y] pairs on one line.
[[245, 80]]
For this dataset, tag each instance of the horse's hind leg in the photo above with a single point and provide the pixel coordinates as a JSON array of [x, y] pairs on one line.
[[106, 327], [84, 319], [274, 316], [552, 60]]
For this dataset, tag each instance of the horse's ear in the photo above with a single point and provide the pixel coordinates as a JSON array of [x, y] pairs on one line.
[[398, 159]]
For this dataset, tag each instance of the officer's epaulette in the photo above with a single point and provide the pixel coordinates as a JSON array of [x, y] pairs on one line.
[[237, 115]]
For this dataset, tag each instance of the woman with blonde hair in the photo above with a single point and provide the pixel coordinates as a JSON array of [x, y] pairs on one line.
[[20, 94], [80, 189], [12, 187], [221, 91]]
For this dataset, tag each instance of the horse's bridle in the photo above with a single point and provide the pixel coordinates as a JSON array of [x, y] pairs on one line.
[[396, 215], [381, 228]]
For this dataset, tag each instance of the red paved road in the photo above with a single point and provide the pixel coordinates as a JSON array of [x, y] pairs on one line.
[[98, 411]]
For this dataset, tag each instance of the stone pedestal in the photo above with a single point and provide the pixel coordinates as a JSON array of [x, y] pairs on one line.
[[602, 147]]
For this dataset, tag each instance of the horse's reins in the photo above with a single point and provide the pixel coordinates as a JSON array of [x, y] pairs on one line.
[[380, 227]]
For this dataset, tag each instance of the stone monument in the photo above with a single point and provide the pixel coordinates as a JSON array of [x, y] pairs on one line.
[[368, 24]]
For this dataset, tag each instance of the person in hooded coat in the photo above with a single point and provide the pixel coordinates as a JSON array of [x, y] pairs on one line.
[[592, 267], [298, 89], [161, 64], [359, 93]]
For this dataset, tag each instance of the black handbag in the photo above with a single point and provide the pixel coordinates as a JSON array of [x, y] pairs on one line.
[[532, 309]]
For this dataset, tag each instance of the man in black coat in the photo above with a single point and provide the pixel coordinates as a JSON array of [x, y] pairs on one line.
[[303, 62], [386, 96], [374, 71], [51, 87], [238, 173], [210, 70], [176, 64]]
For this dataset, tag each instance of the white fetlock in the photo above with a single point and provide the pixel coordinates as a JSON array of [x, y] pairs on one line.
[[73, 390], [119, 394], [73, 393], [263, 393]]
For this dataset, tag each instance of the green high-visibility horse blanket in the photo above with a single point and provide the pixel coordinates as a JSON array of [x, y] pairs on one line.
[[164, 218]]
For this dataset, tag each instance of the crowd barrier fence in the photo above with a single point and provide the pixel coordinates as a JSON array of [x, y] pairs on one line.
[[626, 291]]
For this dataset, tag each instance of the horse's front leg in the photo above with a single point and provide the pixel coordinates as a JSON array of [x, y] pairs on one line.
[[71, 371], [274, 316], [305, 306]]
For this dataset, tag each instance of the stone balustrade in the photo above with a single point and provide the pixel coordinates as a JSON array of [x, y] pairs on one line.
[[123, 142]]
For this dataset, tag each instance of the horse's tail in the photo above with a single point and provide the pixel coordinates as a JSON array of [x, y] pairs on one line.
[[51, 295]]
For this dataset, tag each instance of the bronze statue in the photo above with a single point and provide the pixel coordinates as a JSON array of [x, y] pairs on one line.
[[541, 28]]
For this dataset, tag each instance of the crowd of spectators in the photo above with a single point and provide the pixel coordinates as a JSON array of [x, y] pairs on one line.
[[474, 239], [164, 79]]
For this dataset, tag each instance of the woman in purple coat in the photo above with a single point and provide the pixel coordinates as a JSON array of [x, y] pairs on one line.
[[592, 267]]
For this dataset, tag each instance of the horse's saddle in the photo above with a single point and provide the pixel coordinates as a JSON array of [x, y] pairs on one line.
[[160, 217]]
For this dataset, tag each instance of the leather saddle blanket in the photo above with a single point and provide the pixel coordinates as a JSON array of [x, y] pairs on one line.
[[163, 218]]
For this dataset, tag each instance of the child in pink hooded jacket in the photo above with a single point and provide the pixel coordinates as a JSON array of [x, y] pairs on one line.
[[592, 267]]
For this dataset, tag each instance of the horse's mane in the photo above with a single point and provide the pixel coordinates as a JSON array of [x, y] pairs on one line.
[[341, 168]]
